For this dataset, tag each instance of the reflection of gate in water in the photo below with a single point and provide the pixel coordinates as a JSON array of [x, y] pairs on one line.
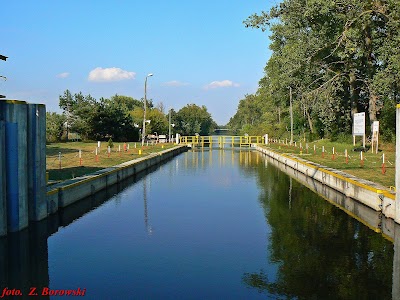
[[220, 141]]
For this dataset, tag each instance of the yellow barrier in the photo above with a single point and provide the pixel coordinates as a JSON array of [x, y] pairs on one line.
[[221, 141]]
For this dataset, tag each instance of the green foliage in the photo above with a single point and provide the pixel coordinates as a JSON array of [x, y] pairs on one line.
[[115, 118], [158, 121], [99, 120], [388, 121], [110, 119], [193, 119], [128, 103], [110, 143], [54, 127], [342, 137], [338, 58]]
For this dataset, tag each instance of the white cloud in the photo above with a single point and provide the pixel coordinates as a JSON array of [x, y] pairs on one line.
[[110, 74], [175, 83], [62, 75], [219, 84]]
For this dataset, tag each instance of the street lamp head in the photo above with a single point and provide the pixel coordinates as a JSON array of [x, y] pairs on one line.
[[150, 74]]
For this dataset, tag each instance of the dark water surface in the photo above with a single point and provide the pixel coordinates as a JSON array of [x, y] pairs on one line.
[[205, 225]]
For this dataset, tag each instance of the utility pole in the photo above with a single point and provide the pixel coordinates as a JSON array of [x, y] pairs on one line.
[[169, 127], [144, 108]]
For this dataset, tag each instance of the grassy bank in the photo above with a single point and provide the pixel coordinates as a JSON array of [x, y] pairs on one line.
[[370, 168], [72, 166]]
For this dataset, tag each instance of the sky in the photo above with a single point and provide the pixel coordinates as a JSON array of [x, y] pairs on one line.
[[198, 50]]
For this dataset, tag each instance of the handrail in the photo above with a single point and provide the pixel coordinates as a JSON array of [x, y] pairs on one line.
[[221, 141]]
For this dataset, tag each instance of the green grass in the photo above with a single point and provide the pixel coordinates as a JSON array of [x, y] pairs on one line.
[[72, 167], [370, 170]]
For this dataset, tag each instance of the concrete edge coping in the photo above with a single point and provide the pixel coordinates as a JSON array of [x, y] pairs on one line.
[[363, 183], [69, 183]]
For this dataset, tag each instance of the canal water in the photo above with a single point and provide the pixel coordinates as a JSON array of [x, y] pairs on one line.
[[204, 225]]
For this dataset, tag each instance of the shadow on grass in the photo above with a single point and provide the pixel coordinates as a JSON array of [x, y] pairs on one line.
[[68, 173], [54, 150]]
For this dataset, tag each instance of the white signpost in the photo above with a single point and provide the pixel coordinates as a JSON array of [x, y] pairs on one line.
[[375, 136], [359, 127]]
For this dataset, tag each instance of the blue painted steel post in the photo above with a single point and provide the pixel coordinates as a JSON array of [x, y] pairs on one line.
[[14, 114], [3, 206], [37, 203]]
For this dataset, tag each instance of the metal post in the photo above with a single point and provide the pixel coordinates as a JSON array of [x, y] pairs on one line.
[[169, 127], [37, 202], [144, 109], [14, 114], [397, 168]]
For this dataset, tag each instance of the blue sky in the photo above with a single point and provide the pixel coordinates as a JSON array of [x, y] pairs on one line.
[[199, 51]]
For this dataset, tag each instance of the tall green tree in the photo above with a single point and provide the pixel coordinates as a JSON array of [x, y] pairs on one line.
[[338, 58], [54, 126], [111, 120], [192, 119]]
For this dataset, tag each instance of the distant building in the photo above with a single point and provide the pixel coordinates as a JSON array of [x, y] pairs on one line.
[[162, 138]]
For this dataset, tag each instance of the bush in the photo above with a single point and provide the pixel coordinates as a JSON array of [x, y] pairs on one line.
[[110, 143], [342, 138]]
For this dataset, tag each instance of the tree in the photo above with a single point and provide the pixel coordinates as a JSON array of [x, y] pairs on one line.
[[336, 57], [127, 102], [66, 103], [54, 126], [112, 120], [193, 119], [158, 121]]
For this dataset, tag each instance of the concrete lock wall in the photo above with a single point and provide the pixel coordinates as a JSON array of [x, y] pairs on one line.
[[366, 192], [14, 115], [24, 195], [70, 191], [22, 164]]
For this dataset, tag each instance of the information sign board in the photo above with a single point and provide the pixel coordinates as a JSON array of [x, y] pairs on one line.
[[359, 124]]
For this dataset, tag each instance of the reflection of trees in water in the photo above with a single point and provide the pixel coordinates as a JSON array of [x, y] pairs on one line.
[[320, 252]]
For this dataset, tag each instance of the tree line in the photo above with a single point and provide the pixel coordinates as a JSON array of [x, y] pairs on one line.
[[330, 59], [120, 118]]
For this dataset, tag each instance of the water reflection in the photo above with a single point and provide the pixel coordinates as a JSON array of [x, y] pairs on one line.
[[228, 225], [321, 252], [24, 255], [147, 225]]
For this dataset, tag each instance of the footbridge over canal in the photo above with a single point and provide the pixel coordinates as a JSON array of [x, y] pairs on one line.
[[220, 141]]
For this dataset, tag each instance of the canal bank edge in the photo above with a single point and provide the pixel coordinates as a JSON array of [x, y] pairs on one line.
[[366, 192], [70, 191]]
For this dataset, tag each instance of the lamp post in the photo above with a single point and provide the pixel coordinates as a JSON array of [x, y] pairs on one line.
[[144, 111], [169, 127]]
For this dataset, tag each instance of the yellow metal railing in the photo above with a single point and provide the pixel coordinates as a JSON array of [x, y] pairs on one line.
[[221, 141]]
